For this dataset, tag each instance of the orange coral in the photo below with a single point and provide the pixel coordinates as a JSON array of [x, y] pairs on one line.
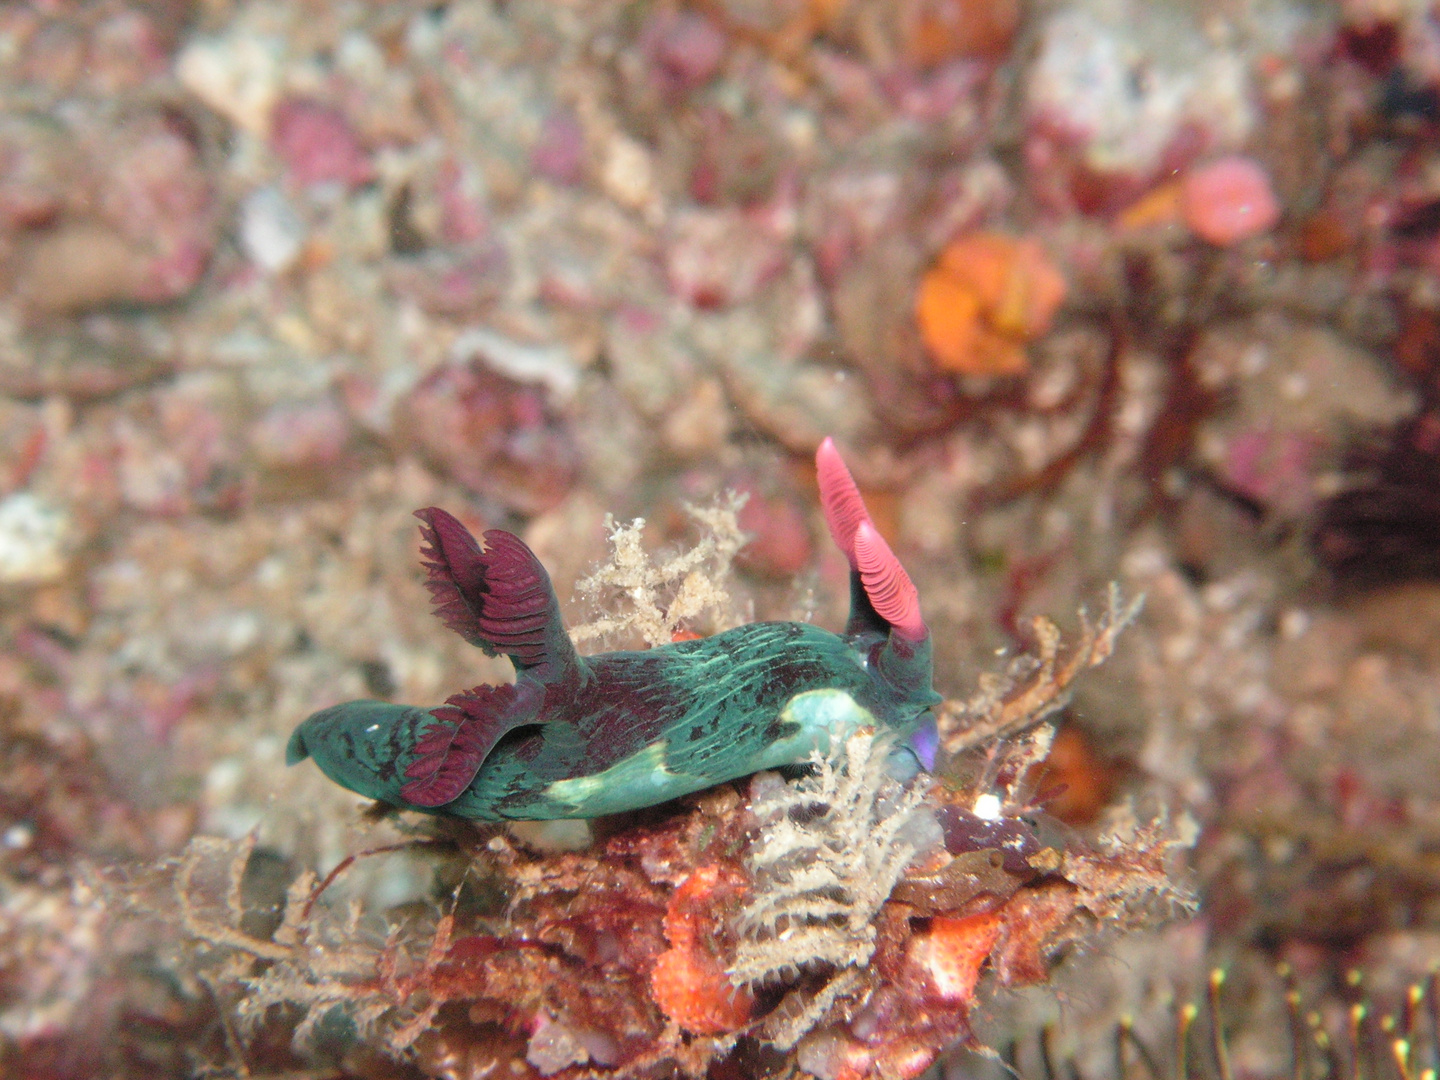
[[688, 982], [985, 297], [692, 989]]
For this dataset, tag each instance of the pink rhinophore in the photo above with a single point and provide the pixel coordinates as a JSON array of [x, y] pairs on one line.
[[891, 592], [844, 509]]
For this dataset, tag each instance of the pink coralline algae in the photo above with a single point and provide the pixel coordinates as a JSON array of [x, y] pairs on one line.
[[559, 152], [318, 145], [686, 50], [722, 257], [100, 215], [780, 545], [497, 437], [1228, 200], [301, 435], [1274, 468]]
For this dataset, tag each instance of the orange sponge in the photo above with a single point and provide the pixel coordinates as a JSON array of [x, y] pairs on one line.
[[689, 982], [985, 297], [952, 953]]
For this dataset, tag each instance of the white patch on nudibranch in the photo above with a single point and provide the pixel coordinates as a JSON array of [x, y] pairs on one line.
[[646, 767], [822, 718], [813, 721]]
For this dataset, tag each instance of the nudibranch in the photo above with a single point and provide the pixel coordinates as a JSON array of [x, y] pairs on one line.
[[577, 737]]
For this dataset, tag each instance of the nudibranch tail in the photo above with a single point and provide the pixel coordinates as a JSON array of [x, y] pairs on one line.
[[362, 745], [891, 592]]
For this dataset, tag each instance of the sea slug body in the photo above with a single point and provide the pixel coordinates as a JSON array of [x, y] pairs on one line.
[[577, 737]]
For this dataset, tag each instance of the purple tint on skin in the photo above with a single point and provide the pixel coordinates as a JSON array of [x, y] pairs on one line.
[[926, 743]]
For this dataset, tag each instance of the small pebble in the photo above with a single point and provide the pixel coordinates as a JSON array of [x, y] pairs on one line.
[[238, 77], [32, 540], [554, 1046], [271, 233], [550, 366], [627, 175]]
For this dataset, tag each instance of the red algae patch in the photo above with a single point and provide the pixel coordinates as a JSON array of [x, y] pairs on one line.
[[1228, 200]]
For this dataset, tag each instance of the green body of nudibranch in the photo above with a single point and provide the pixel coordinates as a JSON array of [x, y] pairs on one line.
[[577, 737]]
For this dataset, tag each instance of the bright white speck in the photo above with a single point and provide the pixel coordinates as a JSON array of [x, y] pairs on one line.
[[372, 727], [987, 807], [18, 836], [33, 536], [271, 232]]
